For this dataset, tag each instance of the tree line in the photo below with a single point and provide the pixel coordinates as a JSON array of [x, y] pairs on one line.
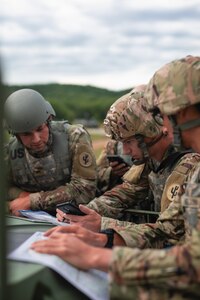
[[73, 102]]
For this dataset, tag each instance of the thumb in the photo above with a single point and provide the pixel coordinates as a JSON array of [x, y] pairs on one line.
[[85, 209]]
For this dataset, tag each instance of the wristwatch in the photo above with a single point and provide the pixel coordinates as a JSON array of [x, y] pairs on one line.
[[110, 236]]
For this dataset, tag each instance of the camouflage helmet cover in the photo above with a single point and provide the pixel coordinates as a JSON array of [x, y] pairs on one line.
[[136, 120], [112, 118], [175, 86], [128, 117]]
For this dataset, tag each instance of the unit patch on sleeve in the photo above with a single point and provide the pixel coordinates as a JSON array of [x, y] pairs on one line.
[[172, 191], [85, 159]]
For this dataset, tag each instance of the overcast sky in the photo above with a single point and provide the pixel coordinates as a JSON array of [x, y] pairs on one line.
[[113, 44]]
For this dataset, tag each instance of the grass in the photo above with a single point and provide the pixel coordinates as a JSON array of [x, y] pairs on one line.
[[98, 141]]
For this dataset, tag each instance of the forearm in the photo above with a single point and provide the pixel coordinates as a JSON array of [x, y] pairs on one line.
[[139, 267], [107, 206], [107, 180], [115, 201], [177, 267], [79, 191], [170, 225], [150, 235], [134, 235], [100, 258]]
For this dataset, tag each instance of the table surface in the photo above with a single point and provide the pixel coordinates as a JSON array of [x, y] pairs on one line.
[[28, 281]]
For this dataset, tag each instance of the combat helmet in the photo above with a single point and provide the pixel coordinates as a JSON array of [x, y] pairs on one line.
[[25, 110], [136, 120], [128, 117], [111, 121], [175, 86]]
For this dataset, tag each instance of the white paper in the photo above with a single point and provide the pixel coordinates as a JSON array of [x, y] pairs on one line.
[[93, 283], [41, 216]]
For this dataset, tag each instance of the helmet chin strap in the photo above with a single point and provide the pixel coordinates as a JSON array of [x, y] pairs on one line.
[[188, 125], [144, 147], [150, 144], [178, 143]]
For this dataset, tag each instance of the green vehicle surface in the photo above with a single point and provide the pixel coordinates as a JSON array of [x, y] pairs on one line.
[[31, 281]]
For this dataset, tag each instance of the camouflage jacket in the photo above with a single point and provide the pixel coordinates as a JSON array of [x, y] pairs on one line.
[[169, 226], [165, 274], [106, 179], [80, 184], [172, 273], [131, 193], [134, 191]]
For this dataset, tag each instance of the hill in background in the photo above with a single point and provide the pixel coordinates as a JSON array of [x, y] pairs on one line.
[[73, 102]]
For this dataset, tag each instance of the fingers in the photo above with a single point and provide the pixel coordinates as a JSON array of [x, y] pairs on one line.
[[85, 209], [113, 164], [67, 218], [46, 246], [15, 213], [120, 168], [52, 230], [50, 246], [62, 229], [59, 215]]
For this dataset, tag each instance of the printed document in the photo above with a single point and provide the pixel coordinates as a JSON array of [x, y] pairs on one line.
[[40, 216], [93, 283]]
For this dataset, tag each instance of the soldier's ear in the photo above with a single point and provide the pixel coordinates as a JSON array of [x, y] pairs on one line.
[[158, 117], [165, 131]]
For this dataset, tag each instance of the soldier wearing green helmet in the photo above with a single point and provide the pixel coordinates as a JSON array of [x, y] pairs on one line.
[[172, 273], [49, 162], [25, 110]]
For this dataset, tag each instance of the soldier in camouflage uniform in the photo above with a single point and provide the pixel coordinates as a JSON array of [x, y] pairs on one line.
[[110, 173], [134, 190], [165, 173], [172, 273], [49, 162]]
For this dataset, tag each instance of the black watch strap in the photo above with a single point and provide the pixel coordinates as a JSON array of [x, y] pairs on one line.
[[110, 236]]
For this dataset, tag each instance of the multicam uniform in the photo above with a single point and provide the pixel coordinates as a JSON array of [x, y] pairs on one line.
[[67, 171], [165, 185], [106, 179], [127, 117], [172, 273], [131, 193]]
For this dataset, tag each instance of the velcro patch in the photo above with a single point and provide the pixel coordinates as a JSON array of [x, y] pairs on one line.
[[172, 191], [85, 159]]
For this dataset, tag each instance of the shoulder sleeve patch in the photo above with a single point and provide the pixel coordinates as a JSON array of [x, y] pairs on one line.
[[172, 191], [85, 159], [84, 162]]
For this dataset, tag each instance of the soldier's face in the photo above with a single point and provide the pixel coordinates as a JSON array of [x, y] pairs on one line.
[[190, 137], [130, 147], [36, 139]]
